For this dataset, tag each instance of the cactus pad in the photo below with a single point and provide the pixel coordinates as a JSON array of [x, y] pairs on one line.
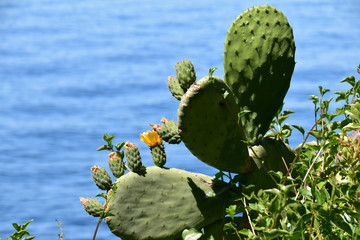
[[258, 64], [162, 203], [270, 154], [208, 124]]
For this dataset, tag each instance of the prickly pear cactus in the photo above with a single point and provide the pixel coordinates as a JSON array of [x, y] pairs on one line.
[[217, 121], [209, 126], [161, 203], [258, 65]]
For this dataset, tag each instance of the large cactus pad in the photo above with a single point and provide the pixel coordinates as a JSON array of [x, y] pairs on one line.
[[270, 154], [161, 203], [208, 124], [258, 64]]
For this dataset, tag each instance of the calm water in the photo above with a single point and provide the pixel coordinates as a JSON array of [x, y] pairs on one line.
[[73, 70]]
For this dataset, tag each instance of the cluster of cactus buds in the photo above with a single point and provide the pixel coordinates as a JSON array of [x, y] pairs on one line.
[[185, 76]]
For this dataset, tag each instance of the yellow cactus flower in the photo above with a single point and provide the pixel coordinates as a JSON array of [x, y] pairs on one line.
[[151, 138]]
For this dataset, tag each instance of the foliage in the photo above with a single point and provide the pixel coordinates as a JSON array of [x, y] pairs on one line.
[[319, 197], [21, 232]]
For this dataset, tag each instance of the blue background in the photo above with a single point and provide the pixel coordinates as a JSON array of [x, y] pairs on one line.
[[73, 70]]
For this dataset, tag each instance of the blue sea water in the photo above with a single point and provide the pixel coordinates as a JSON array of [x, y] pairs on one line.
[[73, 70]]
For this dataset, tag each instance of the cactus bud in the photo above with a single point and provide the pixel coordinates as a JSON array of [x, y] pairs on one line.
[[158, 155], [133, 157], [154, 141], [175, 88], [170, 132], [116, 165], [92, 206], [185, 73], [101, 178]]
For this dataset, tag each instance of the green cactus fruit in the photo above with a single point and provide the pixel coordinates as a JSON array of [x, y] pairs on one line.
[[258, 64], [133, 157], [158, 155], [209, 127], [169, 132], [270, 154], [175, 88], [161, 203], [92, 206], [185, 73], [116, 164], [101, 178]]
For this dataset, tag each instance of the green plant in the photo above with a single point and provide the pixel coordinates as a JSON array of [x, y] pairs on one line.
[[21, 232], [310, 192]]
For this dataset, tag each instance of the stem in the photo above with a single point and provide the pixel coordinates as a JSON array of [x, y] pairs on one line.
[[248, 216], [299, 150], [100, 219], [308, 171]]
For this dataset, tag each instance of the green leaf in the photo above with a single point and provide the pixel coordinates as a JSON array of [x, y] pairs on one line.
[[246, 232], [29, 238], [118, 146], [108, 214], [231, 210], [350, 79], [243, 112], [191, 234], [300, 128], [103, 195], [108, 138], [16, 226], [275, 233], [104, 147]]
